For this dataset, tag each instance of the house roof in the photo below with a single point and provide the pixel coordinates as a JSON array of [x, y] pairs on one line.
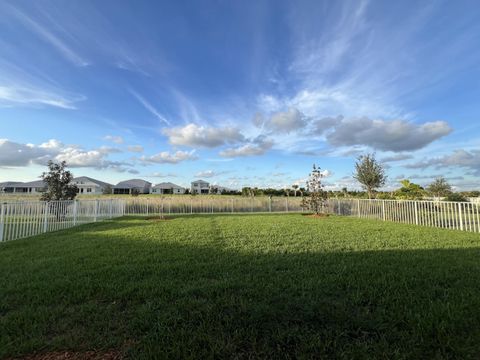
[[201, 181], [10, 184], [132, 183], [167, 185], [35, 183], [95, 181]]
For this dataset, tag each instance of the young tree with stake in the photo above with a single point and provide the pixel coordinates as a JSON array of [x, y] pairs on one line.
[[58, 181], [317, 197]]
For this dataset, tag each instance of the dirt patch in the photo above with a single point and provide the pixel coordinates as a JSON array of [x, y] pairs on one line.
[[316, 215], [70, 355]]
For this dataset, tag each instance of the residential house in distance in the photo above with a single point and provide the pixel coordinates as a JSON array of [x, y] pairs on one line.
[[89, 186], [126, 187], [167, 188], [24, 188], [200, 187]]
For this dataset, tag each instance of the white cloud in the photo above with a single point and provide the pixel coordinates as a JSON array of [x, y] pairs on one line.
[[31, 96], [113, 138], [396, 135], [150, 107], [257, 147], [135, 148], [397, 157], [209, 173], [287, 121], [200, 136], [465, 159], [165, 157]]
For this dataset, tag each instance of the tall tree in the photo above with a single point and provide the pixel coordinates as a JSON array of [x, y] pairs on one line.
[[439, 187], [58, 182], [317, 196], [369, 173]]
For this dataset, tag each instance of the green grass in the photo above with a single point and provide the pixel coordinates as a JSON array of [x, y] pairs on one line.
[[246, 286]]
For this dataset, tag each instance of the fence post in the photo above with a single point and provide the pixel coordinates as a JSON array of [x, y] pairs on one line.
[[111, 205], [45, 218], [384, 215], [2, 221], [95, 211], [358, 207], [460, 215], [74, 212], [147, 206], [286, 204], [191, 206], [269, 204], [416, 212], [232, 205]]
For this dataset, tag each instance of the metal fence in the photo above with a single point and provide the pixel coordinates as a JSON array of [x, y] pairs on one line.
[[209, 205], [463, 216], [23, 219]]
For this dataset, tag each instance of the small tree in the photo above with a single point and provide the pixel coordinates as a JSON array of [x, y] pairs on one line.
[[439, 187], [58, 183], [135, 192], [370, 173], [409, 191], [107, 190], [317, 197]]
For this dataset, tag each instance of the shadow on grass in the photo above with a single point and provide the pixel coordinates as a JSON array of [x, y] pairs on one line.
[[182, 300]]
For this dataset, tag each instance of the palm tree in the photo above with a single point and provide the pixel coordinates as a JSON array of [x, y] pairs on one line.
[[295, 187]]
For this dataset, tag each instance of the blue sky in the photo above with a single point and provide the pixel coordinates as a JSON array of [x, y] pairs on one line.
[[240, 93]]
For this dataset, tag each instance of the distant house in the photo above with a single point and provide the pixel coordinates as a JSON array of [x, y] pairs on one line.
[[126, 187], [89, 186], [25, 188], [200, 187], [167, 188]]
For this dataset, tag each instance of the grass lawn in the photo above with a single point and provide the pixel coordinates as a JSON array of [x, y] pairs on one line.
[[246, 286]]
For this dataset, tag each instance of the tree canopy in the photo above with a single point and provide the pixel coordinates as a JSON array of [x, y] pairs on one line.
[[369, 173]]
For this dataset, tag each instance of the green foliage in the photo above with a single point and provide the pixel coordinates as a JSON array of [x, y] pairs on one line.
[[439, 187], [317, 196], [409, 191], [58, 181], [107, 190], [243, 287], [369, 173], [135, 192], [456, 197]]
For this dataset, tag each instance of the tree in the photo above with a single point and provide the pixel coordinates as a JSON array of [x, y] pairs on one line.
[[295, 189], [409, 191], [107, 190], [135, 192], [317, 197], [58, 183], [370, 173], [439, 187], [456, 197]]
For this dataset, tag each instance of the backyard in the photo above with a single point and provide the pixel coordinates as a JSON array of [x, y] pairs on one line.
[[242, 286]]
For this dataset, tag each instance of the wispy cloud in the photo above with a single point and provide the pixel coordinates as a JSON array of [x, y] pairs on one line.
[[149, 107], [14, 96]]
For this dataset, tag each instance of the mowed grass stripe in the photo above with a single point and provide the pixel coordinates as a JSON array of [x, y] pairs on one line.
[[263, 286]]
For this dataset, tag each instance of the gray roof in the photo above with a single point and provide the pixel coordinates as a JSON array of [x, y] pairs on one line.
[[10, 184], [167, 185], [133, 183], [95, 181], [34, 184], [201, 181]]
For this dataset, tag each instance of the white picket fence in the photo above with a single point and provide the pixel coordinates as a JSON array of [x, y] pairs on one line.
[[463, 216], [23, 219]]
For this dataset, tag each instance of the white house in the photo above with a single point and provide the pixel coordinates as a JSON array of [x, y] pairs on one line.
[[167, 188], [126, 187], [25, 188], [89, 186], [200, 187]]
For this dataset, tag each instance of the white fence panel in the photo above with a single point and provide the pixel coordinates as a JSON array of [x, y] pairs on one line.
[[28, 218]]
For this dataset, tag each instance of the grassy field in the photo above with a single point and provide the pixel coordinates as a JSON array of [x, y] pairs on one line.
[[243, 286]]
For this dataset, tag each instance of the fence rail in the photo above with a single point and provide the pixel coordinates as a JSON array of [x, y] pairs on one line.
[[23, 219], [463, 216]]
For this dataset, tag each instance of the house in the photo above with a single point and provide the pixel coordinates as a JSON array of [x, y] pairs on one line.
[[200, 187], [167, 188], [126, 187], [89, 186], [32, 187]]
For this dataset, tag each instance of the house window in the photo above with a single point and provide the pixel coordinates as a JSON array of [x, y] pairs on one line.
[[89, 190]]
